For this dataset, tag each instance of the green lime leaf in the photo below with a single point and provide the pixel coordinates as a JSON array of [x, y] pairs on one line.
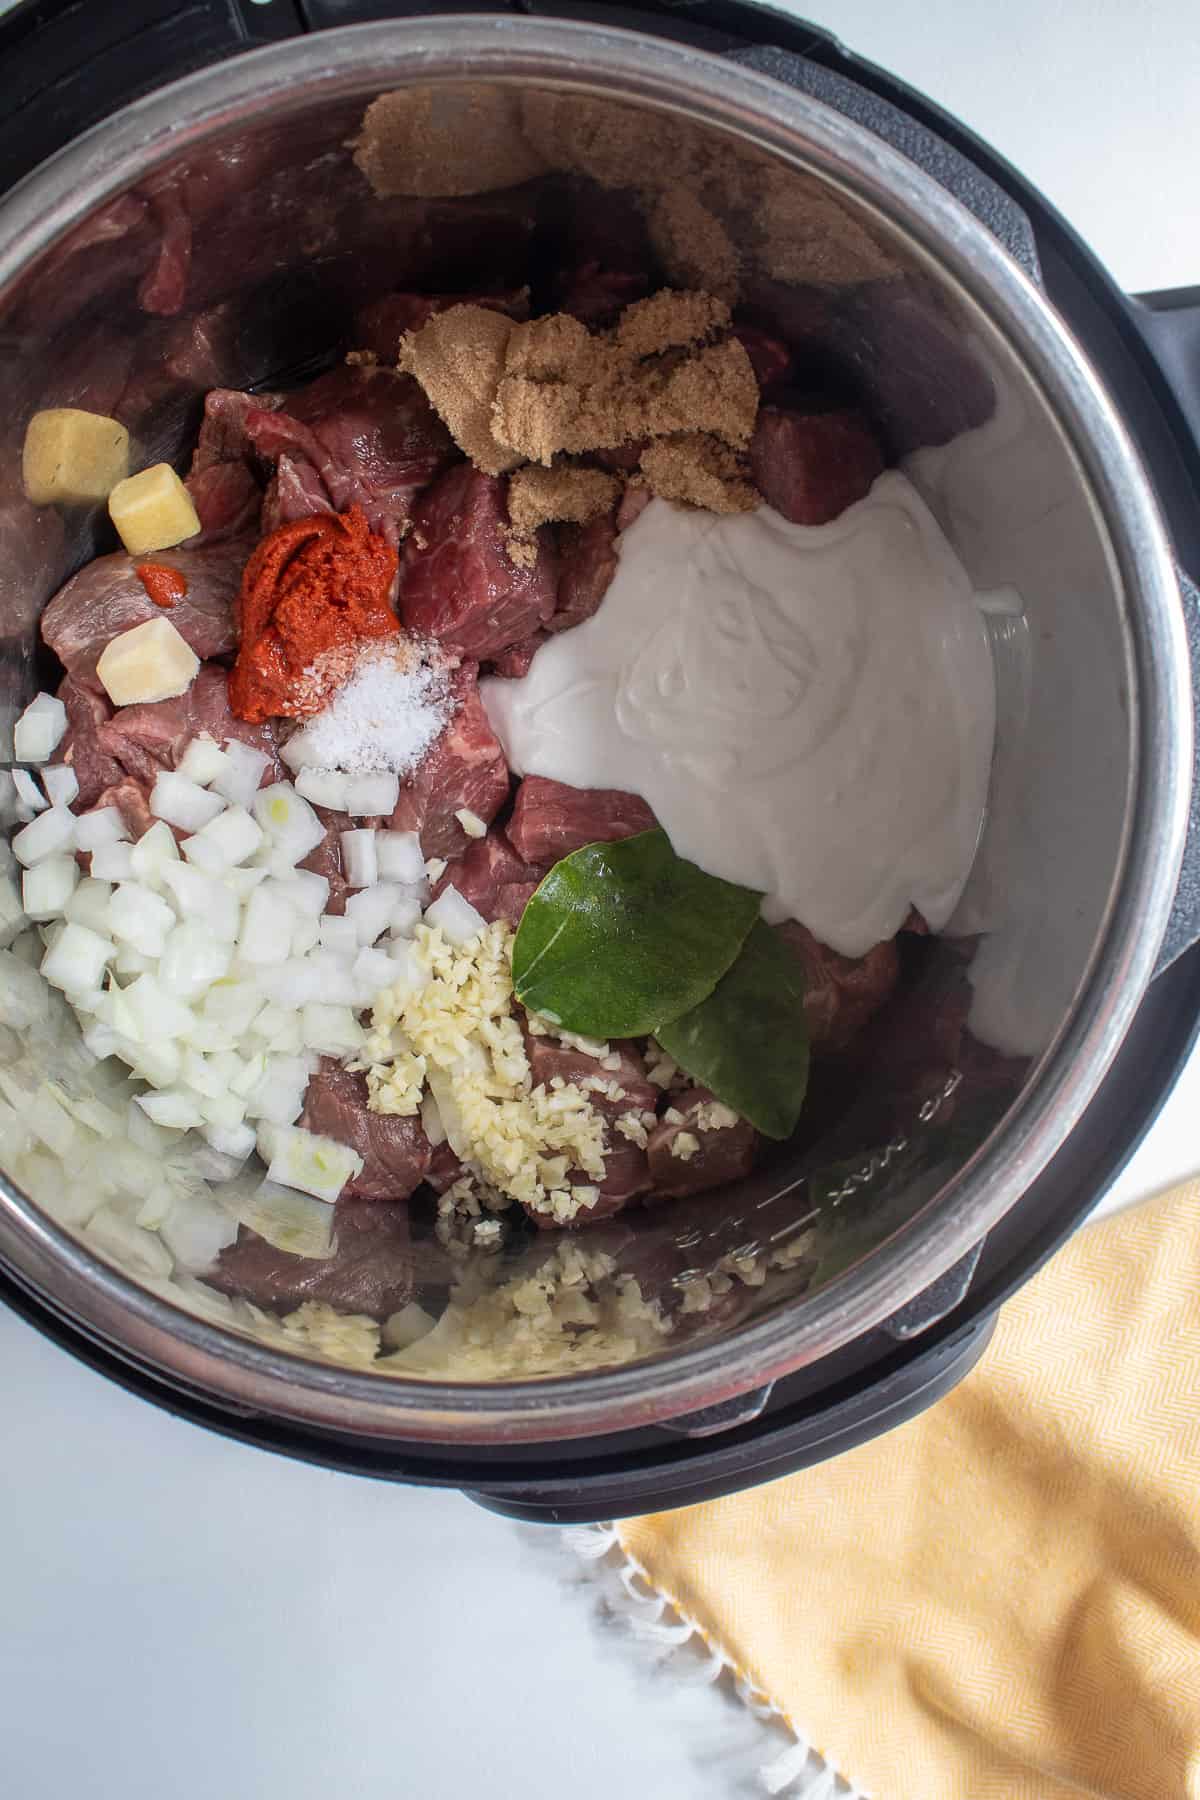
[[621, 937], [748, 1041]]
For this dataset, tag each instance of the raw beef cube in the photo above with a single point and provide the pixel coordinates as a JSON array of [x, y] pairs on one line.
[[106, 597], [811, 466], [492, 877], [587, 563], [725, 1153], [371, 1270], [548, 1058], [515, 663], [550, 819], [145, 739], [94, 768], [326, 858], [395, 1151], [458, 583], [464, 768], [769, 356], [841, 992], [380, 326]]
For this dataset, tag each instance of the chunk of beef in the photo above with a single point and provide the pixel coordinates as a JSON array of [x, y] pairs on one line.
[[626, 1177], [841, 992], [224, 477], [491, 875], [918, 378], [458, 583], [634, 502], [326, 858], [595, 292], [463, 768], [811, 467], [444, 1169], [164, 285], [94, 768], [633, 1091], [295, 491], [587, 563], [516, 663], [145, 739], [224, 430], [106, 597], [228, 500], [395, 1151], [769, 356], [368, 435], [380, 326], [551, 819], [132, 801], [726, 1152], [371, 1270]]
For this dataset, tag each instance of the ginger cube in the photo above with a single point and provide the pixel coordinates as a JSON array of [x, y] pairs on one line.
[[72, 456], [152, 510], [149, 662]]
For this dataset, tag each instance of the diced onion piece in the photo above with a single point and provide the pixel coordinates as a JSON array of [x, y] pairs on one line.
[[48, 886], [113, 862], [431, 1121], [456, 917], [358, 857], [410, 973], [374, 970], [297, 754], [288, 820], [51, 832], [376, 792], [154, 852], [266, 931], [333, 1030], [372, 910], [30, 799], [152, 510], [407, 1327], [88, 904], [324, 787], [231, 1140], [400, 857], [233, 1004], [302, 1159], [61, 783], [203, 760], [196, 1229], [238, 780], [103, 826], [39, 730], [177, 1110], [157, 1063], [182, 802], [193, 958], [305, 890], [203, 897], [278, 1095], [338, 933], [225, 841], [472, 824], [406, 912], [338, 985], [77, 959], [292, 983], [148, 663], [157, 1013], [289, 1220], [140, 1252], [223, 1109], [140, 917]]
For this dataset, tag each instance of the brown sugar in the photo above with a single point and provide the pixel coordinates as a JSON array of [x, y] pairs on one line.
[[442, 142], [695, 470], [566, 494], [458, 356]]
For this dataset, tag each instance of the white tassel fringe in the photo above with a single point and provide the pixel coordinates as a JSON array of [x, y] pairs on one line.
[[799, 1771]]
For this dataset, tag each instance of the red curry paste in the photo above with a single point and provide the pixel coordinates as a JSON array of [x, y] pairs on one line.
[[163, 584]]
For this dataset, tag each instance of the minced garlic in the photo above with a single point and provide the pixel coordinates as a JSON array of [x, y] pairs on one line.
[[713, 1115], [685, 1145], [460, 1028]]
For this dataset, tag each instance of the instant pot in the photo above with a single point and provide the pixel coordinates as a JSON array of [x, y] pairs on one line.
[[1077, 485]]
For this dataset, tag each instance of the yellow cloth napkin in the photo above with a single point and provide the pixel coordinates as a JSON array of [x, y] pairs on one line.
[[1001, 1599]]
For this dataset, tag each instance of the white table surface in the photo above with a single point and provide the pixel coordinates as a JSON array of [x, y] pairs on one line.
[[183, 1617]]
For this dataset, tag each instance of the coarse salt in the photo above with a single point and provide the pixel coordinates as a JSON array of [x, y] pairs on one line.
[[384, 716]]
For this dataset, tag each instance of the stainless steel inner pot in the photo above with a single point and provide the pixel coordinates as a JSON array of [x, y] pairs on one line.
[[1037, 487]]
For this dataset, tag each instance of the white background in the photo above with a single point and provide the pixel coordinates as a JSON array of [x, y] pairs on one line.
[[183, 1617]]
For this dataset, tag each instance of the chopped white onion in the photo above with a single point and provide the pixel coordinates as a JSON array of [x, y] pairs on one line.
[[88, 904], [400, 857], [431, 1121], [225, 1110], [234, 1140], [288, 820], [40, 729], [244, 767], [46, 889], [304, 890], [196, 1230], [358, 858], [306, 933], [154, 852], [406, 913], [455, 916], [77, 959], [177, 1110], [293, 983], [376, 793], [140, 917], [113, 862], [226, 840], [158, 1014], [336, 968], [338, 933], [374, 970], [324, 787], [233, 1004], [193, 958], [51, 832], [104, 825], [278, 1096], [243, 882], [61, 784], [204, 898], [30, 798], [372, 909], [140, 1252], [289, 1220], [203, 760], [305, 1160], [333, 1030], [265, 936], [182, 802], [132, 962]]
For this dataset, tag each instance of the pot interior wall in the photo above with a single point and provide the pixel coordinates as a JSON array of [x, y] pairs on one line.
[[250, 265]]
